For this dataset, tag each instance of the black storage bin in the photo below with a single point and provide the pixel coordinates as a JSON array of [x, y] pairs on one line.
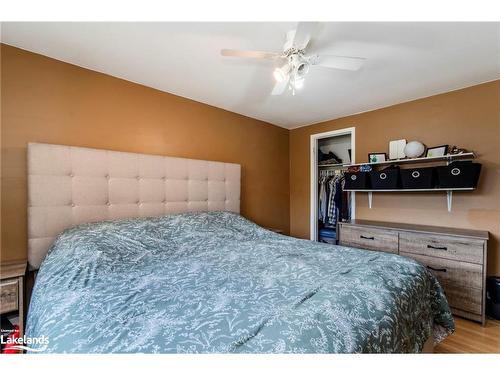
[[418, 178], [385, 179], [356, 180], [493, 297], [458, 175]]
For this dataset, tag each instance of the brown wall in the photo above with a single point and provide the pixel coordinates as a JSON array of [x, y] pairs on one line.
[[469, 118], [45, 100]]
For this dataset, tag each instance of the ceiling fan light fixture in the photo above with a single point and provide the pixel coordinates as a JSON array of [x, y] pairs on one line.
[[301, 69], [280, 74], [298, 60]]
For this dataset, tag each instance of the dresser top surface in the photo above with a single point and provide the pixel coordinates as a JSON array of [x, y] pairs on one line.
[[12, 269], [478, 234]]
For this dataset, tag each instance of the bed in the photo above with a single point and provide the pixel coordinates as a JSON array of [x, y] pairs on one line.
[[211, 281]]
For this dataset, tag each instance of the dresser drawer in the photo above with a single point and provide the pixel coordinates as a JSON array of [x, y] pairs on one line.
[[369, 238], [447, 247], [9, 296], [451, 272], [465, 299]]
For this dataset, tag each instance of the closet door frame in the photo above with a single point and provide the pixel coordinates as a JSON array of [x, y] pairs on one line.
[[314, 175]]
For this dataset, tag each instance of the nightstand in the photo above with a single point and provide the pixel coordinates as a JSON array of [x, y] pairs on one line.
[[12, 292]]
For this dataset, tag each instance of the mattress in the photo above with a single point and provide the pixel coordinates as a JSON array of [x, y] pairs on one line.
[[215, 282]]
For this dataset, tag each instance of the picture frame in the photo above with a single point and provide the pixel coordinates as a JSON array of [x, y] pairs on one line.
[[436, 151], [377, 157]]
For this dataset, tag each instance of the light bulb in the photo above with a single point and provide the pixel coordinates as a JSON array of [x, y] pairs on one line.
[[301, 69]]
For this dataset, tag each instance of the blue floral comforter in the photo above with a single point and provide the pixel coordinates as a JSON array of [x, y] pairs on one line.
[[218, 283]]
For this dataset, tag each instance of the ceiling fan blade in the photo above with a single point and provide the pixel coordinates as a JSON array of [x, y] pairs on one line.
[[280, 87], [338, 62], [250, 54], [303, 34]]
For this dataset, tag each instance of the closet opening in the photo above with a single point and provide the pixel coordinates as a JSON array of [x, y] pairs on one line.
[[331, 153]]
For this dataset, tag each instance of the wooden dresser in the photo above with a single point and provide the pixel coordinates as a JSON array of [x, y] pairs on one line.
[[456, 256], [12, 292]]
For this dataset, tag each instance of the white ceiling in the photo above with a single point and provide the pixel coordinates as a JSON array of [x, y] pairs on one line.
[[405, 61]]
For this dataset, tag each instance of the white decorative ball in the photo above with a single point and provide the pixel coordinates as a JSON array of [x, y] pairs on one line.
[[414, 149]]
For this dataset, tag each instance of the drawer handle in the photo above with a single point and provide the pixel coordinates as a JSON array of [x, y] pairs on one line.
[[437, 247], [437, 269], [367, 238]]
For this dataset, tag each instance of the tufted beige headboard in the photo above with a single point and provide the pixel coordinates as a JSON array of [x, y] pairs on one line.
[[74, 185]]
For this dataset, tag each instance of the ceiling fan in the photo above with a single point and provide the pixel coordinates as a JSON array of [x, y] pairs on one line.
[[296, 62]]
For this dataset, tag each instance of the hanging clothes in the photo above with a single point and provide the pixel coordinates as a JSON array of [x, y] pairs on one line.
[[332, 209], [323, 198], [333, 202], [334, 199]]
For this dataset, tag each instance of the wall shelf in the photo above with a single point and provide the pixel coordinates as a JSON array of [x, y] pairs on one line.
[[448, 158], [449, 193]]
